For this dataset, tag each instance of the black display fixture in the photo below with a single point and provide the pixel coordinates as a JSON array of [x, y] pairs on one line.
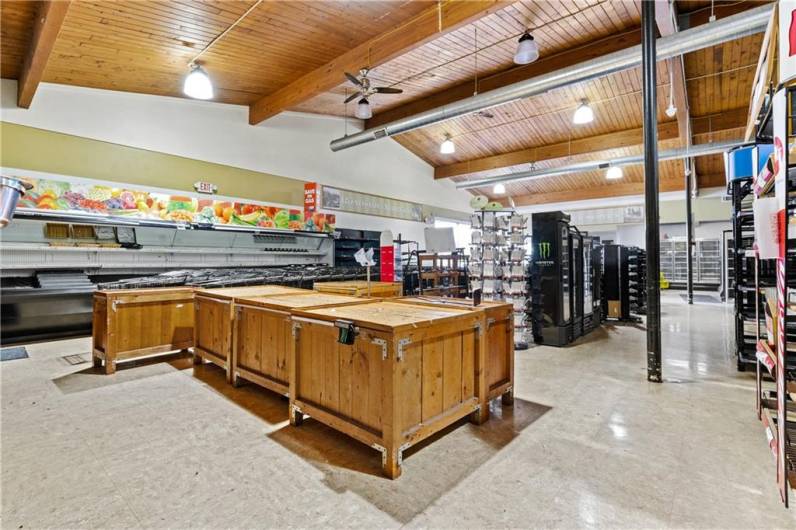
[[551, 309], [576, 281]]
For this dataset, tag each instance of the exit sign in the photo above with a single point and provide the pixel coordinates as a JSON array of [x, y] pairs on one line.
[[205, 187]]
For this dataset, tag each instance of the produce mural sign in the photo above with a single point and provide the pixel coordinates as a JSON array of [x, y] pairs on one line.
[[124, 202]]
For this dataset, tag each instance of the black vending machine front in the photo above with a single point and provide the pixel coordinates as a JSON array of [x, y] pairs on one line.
[[597, 281], [616, 295], [550, 279], [588, 286], [576, 281]]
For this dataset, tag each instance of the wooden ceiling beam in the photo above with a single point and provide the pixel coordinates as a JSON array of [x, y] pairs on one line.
[[542, 66], [665, 17], [49, 19], [628, 138], [429, 25], [591, 144], [610, 190]]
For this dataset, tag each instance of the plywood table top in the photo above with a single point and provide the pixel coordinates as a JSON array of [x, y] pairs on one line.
[[387, 316], [249, 291], [306, 299]]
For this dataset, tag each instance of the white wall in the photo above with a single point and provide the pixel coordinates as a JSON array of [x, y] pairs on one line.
[[290, 144], [635, 235]]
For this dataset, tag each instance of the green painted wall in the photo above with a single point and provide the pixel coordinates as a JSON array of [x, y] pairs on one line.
[[41, 150]]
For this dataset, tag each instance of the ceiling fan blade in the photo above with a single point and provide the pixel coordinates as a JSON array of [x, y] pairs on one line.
[[352, 97], [388, 90], [353, 79]]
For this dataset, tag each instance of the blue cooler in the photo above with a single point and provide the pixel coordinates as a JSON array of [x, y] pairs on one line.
[[746, 161]]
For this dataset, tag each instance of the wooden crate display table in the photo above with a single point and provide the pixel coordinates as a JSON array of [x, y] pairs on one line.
[[412, 371], [129, 323], [262, 335], [214, 315], [360, 288], [499, 338]]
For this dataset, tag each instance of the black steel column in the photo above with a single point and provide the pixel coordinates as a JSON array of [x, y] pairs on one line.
[[689, 229], [649, 97]]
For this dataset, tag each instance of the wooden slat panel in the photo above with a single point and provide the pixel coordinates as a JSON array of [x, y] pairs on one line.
[[433, 350]]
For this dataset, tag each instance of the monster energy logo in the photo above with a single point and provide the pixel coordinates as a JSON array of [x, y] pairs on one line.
[[544, 250]]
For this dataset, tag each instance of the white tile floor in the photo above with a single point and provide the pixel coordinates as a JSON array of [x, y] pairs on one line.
[[589, 443]]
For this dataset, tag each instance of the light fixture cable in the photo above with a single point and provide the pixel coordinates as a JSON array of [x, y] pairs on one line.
[[223, 33]]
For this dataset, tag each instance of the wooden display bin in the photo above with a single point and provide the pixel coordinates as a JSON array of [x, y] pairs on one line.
[[499, 338], [360, 288], [411, 371], [214, 315], [129, 323], [262, 335]]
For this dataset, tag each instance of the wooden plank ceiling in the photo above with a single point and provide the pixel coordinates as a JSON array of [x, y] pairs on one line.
[[144, 46]]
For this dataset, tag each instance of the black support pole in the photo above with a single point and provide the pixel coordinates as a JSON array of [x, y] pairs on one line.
[[649, 97], [689, 229]]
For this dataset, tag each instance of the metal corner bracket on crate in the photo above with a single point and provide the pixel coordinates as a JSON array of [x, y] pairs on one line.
[[295, 329], [383, 343], [402, 343]]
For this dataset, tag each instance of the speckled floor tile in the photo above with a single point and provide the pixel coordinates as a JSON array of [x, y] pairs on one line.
[[588, 444]]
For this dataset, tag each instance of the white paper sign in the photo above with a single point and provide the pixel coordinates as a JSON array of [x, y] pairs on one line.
[[787, 40], [766, 228]]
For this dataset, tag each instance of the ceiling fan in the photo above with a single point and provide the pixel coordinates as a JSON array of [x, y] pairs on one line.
[[364, 90]]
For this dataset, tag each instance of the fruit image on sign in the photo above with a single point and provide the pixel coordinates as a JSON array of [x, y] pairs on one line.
[[106, 200]]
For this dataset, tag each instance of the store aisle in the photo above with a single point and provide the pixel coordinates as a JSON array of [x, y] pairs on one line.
[[588, 443]]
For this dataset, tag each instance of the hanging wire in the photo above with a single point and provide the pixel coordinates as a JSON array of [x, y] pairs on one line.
[[223, 33], [527, 27]]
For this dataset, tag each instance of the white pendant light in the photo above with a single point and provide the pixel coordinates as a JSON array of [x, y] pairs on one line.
[[671, 110], [527, 50], [197, 84], [583, 114], [363, 112], [614, 172], [499, 189], [447, 147]]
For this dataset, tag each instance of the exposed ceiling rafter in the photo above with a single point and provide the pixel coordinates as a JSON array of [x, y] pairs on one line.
[[430, 24], [49, 19], [592, 144]]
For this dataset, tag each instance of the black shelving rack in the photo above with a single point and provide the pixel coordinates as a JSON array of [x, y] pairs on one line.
[[743, 269], [776, 355], [637, 280]]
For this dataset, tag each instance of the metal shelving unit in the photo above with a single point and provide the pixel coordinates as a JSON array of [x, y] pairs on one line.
[[776, 351]]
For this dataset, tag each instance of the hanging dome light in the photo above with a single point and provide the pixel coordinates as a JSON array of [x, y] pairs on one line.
[[583, 114], [447, 147], [363, 112], [197, 84], [499, 189], [614, 172], [527, 50]]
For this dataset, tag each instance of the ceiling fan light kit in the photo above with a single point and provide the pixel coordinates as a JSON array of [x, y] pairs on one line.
[[363, 111], [527, 50]]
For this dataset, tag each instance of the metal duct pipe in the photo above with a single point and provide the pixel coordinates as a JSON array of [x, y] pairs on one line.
[[706, 35], [594, 165]]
